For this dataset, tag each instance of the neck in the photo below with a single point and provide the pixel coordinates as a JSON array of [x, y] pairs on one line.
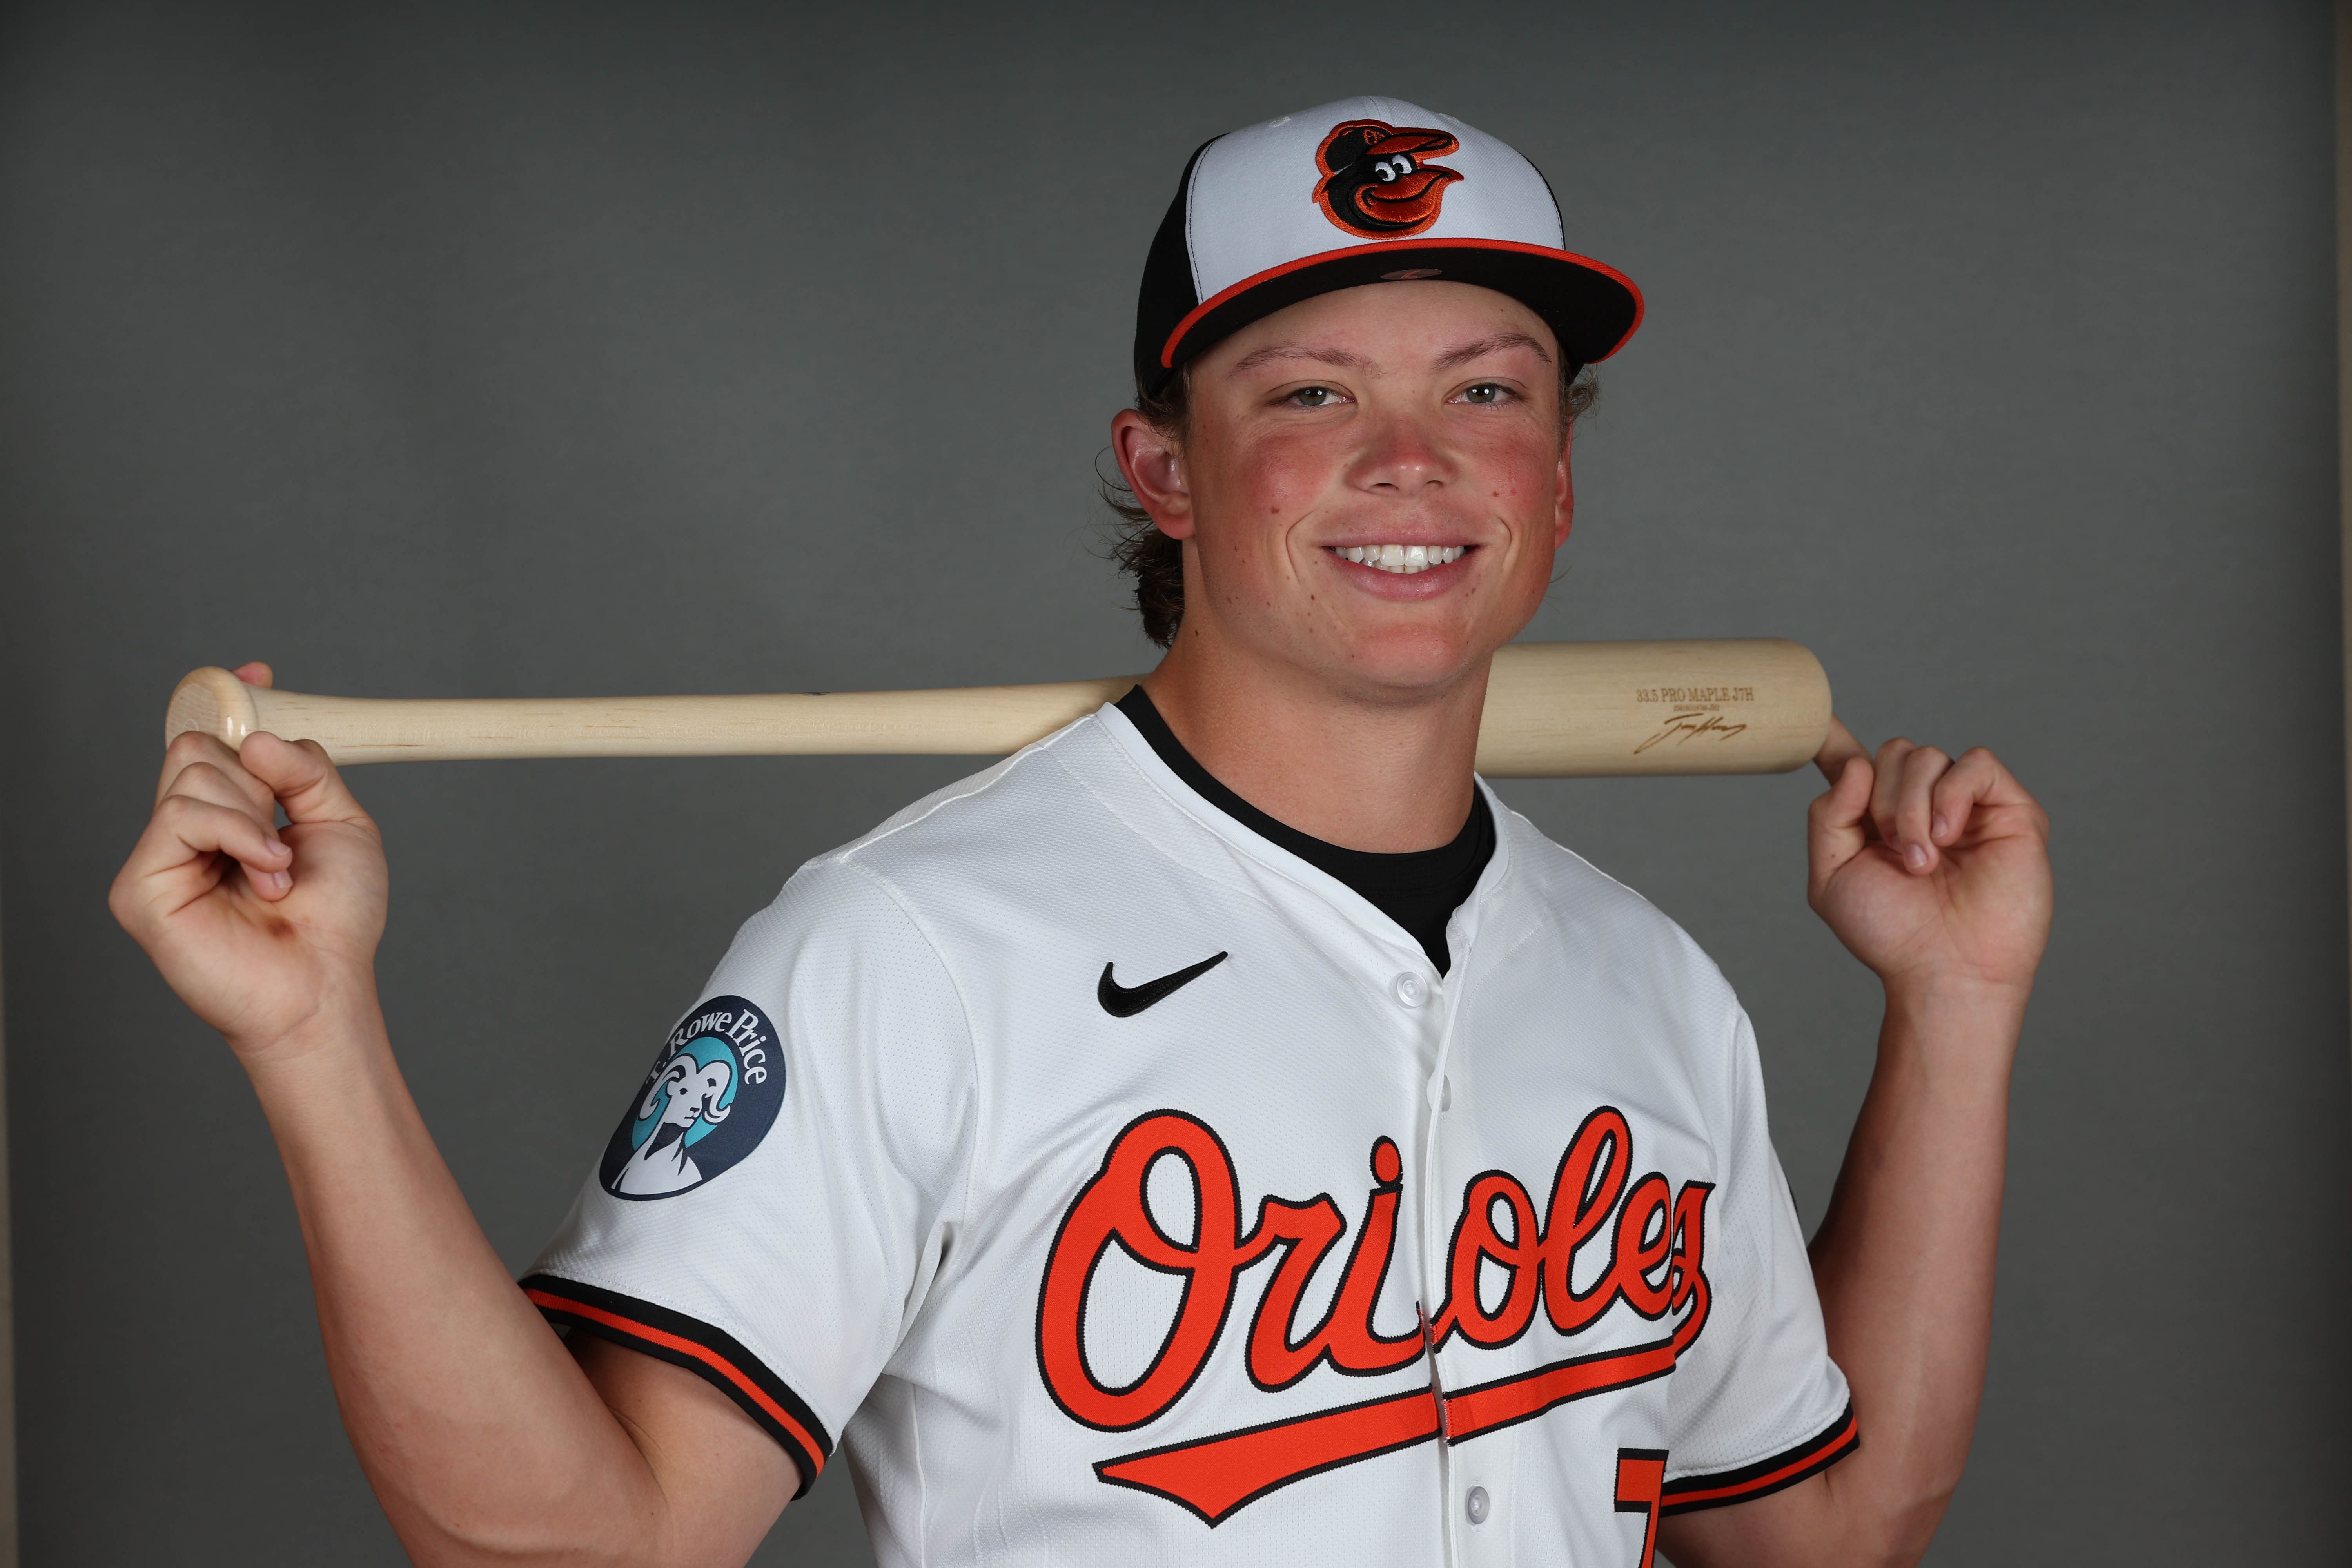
[[1377, 769]]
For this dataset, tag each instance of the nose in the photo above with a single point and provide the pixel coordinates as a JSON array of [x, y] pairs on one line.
[[1401, 457]]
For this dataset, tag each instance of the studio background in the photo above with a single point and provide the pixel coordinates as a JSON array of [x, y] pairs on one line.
[[434, 351]]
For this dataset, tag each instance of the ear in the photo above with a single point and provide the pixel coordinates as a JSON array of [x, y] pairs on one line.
[[1153, 468], [1563, 492]]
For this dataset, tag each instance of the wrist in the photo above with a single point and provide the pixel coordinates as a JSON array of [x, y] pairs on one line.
[[344, 1022], [1958, 995], [331, 1086], [1977, 1018], [1948, 991]]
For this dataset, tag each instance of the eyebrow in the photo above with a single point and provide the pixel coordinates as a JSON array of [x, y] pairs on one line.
[[1492, 345], [1274, 352]]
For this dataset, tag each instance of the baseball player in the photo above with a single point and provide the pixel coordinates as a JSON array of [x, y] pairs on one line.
[[1224, 1131]]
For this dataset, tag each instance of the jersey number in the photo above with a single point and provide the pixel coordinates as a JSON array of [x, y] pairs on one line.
[[1641, 1479]]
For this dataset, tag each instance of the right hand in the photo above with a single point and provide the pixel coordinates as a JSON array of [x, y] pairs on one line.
[[259, 931]]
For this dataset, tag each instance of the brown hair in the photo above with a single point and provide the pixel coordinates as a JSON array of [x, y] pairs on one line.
[[1156, 562]]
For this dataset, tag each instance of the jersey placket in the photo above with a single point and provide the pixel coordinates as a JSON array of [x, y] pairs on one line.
[[1447, 1001]]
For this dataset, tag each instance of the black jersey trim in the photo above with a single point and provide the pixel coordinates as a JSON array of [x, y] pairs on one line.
[[1766, 1476], [711, 1353], [1418, 888]]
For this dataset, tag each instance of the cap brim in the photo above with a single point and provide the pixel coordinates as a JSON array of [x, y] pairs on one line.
[[1591, 307]]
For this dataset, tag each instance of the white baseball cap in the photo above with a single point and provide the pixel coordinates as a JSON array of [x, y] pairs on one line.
[[1363, 191]]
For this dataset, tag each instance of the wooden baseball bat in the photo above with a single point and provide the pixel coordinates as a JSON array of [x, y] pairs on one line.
[[1553, 710]]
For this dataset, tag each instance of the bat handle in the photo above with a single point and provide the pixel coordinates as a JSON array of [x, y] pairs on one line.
[[216, 703]]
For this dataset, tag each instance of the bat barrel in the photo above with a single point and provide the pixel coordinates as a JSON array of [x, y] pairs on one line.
[[1746, 705]]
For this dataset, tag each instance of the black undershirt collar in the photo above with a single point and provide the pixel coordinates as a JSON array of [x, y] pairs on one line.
[[1419, 889]]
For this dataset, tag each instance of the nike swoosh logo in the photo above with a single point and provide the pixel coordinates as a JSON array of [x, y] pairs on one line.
[[1126, 1002]]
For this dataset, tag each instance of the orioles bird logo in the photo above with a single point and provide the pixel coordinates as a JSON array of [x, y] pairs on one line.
[[1377, 180]]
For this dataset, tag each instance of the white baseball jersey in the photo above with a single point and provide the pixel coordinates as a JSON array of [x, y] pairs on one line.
[[1125, 1189]]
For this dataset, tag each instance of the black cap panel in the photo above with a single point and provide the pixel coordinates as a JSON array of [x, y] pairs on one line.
[[1168, 295]]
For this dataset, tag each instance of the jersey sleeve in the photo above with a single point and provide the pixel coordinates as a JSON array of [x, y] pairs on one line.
[[786, 1177], [1756, 1404]]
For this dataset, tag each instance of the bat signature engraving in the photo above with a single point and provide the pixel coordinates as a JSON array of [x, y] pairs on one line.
[[1686, 727]]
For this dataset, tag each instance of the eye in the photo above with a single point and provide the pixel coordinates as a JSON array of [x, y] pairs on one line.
[[1314, 397], [1386, 171], [1485, 392]]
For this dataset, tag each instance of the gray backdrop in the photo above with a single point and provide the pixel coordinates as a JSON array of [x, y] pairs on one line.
[[594, 350]]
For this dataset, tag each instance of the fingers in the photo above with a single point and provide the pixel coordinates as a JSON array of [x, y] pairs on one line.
[[301, 777], [202, 826], [1953, 797], [1924, 802], [193, 749], [1899, 801], [174, 856], [1917, 802], [255, 674], [239, 790], [215, 801], [1980, 799], [1911, 833], [206, 806]]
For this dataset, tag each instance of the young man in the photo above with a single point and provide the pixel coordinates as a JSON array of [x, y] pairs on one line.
[[1223, 1133]]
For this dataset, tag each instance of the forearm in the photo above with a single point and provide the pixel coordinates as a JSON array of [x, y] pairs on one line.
[[481, 1436], [1904, 1258]]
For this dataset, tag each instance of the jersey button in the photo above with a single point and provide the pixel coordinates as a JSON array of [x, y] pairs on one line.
[[1409, 989], [1474, 1505]]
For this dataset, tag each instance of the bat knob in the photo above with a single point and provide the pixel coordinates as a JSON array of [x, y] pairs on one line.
[[215, 701]]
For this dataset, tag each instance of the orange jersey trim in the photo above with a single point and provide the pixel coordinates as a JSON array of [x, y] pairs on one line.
[[547, 1301], [1783, 1469]]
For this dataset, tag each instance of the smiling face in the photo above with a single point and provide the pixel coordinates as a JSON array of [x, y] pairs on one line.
[[1371, 485]]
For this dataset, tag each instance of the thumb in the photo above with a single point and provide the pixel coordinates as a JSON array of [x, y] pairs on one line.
[[300, 774], [1838, 824], [1837, 746]]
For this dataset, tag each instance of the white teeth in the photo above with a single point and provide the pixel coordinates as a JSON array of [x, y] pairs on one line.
[[1403, 559]]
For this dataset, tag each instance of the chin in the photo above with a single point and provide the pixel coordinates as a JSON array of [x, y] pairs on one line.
[[1415, 660]]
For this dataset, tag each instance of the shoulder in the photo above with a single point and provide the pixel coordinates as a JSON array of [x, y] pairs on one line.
[[1582, 896], [1026, 822], [1040, 808], [1610, 929]]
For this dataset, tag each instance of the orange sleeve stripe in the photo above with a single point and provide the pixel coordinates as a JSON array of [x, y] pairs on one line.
[[1833, 1446], [685, 1346]]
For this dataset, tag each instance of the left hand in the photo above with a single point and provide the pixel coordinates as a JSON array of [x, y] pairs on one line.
[[1933, 871]]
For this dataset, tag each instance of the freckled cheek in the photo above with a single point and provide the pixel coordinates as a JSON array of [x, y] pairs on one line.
[[1520, 479], [1279, 481]]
